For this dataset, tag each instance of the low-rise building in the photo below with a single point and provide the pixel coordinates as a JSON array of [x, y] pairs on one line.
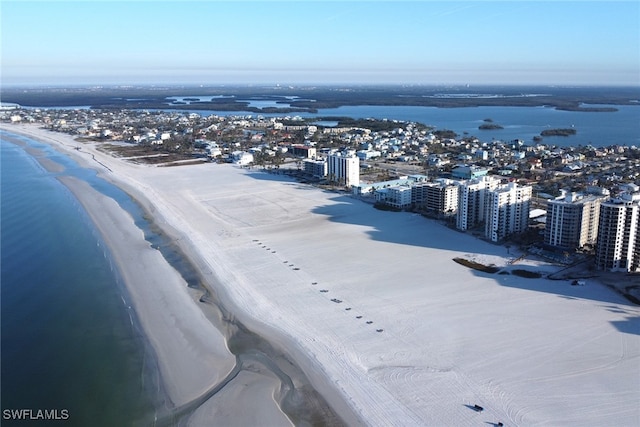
[[398, 196], [370, 188], [241, 158], [468, 172], [368, 154]]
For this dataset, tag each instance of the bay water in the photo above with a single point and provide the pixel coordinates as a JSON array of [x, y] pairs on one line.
[[599, 129]]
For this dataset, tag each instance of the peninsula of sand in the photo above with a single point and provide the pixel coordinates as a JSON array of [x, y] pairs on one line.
[[368, 305]]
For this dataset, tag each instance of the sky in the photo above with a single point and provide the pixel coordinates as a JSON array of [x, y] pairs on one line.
[[320, 42]]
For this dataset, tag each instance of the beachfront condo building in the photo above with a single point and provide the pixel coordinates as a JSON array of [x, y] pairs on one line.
[[439, 197], [369, 188], [472, 197], [398, 196], [315, 168], [572, 220], [507, 211], [618, 245], [343, 169]]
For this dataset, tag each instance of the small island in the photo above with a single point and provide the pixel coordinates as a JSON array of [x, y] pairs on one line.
[[558, 132], [489, 125]]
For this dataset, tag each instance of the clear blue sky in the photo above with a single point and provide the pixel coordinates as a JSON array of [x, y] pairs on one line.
[[292, 42]]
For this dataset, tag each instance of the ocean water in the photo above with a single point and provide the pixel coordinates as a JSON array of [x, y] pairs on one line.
[[69, 341]]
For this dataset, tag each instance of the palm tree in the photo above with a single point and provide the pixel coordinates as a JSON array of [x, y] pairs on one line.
[[277, 159]]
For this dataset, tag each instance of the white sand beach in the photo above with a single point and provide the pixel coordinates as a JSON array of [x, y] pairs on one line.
[[181, 336], [368, 304]]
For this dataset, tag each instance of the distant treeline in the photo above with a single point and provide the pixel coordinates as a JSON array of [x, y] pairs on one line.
[[312, 98], [374, 125], [558, 132]]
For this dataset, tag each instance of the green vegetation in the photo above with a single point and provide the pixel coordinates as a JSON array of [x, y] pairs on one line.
[[264, 159], [375, 125], [570, 99], [558, 132], [526, 273], [477, 266], [385, 207], [489, 126], [445, 134]]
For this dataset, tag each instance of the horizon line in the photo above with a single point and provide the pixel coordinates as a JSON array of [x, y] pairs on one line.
[[307, 84]]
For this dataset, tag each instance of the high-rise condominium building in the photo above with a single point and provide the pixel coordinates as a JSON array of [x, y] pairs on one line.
[[507, 211], [472, 197], [618, 247], [439, 197], [343, 169], [572, 220]]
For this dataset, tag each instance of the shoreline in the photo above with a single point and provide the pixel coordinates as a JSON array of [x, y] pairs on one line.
[[439, 321], [151, 281], [196, 395]]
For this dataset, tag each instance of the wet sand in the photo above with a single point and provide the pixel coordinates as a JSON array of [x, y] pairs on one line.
[[373, 311], [203, 380]]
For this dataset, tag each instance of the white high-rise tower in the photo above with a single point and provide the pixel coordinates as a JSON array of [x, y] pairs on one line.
[[507, 211], [618, 247], [343, 169]]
